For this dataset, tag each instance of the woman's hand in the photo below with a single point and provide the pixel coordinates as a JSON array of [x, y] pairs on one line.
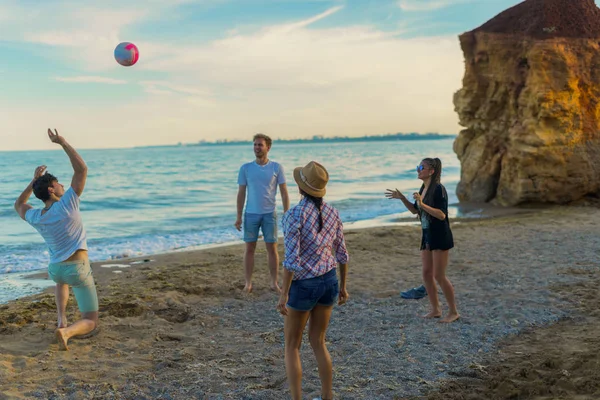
[[417, 197], [281, 304], [393, 194], [343, 296]]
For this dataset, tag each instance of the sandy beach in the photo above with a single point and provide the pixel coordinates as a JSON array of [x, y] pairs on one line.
[[178, 326]]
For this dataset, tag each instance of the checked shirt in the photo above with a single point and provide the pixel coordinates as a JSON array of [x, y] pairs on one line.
[[308, 253]]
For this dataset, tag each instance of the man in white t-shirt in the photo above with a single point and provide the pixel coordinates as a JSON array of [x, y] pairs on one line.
[[259, 180], [61, 226]]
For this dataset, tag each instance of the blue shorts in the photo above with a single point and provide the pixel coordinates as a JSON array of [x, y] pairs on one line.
[[78, 275], [322, 290], [267, 223]]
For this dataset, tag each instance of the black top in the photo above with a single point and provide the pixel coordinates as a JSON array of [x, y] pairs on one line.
[[439, 233]]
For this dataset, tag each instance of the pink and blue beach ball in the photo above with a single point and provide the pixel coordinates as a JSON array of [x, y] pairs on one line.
[[127, 54]]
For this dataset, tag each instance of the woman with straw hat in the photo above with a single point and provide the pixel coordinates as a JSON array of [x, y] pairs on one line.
[[311, 229]]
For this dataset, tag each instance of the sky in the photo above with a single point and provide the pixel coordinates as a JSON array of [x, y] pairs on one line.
[[226, 69]]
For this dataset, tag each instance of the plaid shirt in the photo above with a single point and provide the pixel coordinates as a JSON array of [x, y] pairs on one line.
[[308, 253]]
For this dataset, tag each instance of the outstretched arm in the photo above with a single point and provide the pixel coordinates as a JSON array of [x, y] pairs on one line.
[[21, 205], [79, 167], [396, 194]]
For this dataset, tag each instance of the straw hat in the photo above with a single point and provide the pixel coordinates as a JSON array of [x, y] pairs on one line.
[[312, 178]]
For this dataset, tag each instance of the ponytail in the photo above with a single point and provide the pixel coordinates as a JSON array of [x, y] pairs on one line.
[[437, 165], [318, 202]]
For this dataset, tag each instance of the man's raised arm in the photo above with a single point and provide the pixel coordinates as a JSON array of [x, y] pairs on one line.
[[79, 167]]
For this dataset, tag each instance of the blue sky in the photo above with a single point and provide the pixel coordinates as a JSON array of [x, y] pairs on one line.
[[215, 69]]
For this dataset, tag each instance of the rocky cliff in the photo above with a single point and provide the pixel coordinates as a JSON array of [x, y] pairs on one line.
[[530, 104]]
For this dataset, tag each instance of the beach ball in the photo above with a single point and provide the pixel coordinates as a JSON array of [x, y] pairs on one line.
[[127, 54]]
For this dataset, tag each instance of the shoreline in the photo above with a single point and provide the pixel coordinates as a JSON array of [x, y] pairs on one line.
[[458, 213]]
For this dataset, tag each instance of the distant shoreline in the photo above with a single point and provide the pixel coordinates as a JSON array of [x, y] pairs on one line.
[[322, 139], [315, 139]]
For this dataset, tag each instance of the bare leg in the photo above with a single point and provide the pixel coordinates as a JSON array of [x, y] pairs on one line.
[[293, 328], [440, 262], [273, 261], [429, 282], [317, 328], [61, 293], [85, 325], [249, 265]]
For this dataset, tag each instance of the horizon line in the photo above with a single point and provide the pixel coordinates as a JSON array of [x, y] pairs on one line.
[[313, 139]]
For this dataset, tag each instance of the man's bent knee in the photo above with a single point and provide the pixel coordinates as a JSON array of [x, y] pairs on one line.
[[92, 316]]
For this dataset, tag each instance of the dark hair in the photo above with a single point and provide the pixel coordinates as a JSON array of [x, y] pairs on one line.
[[436, 165], [267, 139], [318, 202], [41, 185]]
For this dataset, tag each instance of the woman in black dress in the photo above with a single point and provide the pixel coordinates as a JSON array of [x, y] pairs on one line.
[[431, 203]]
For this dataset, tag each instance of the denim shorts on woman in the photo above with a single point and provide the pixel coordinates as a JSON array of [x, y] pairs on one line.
[[322, 290], [78, 275]]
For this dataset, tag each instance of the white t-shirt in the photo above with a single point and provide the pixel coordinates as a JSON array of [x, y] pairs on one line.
[[61, 226], [261, 182]]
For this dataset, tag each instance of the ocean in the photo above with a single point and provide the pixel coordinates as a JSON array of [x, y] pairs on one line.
[[144, 201]]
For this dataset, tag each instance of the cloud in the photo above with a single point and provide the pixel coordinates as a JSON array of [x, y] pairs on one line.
[[92, 33], [312, 20], [292, 79], [181, 89], [418, 23], [184, 92], [301, 59], [428, 5], [90, 79]]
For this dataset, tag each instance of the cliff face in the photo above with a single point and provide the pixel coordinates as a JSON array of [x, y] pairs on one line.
[[530, 104]]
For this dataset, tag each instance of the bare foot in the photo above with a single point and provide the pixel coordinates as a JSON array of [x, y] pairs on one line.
[[62, 340], [449, 318], [433, 314], [248, 288], [276, 288], [62, 322]]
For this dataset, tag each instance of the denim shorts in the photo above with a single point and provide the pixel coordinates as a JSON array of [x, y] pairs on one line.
[[78, 275], [322, 290], [267, 223]]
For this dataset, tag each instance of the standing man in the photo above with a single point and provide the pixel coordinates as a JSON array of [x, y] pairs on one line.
[[260, 179], [60, 224]]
